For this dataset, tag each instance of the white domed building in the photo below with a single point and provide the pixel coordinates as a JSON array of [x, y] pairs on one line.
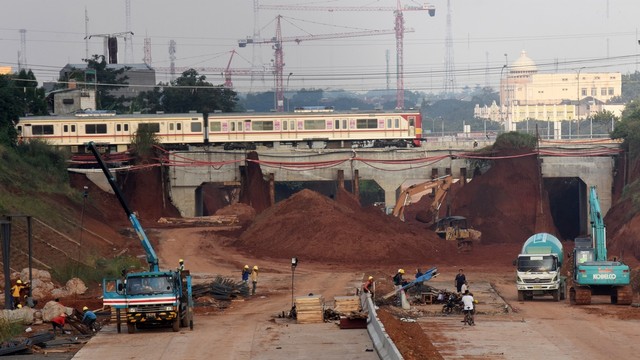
[[526, 93]]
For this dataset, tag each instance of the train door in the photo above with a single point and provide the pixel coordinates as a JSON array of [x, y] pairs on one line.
[[412, 125], [174, 131], [235, 130], [69, 134], [123, 133]]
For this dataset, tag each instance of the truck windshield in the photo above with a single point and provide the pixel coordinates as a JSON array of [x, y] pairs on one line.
[[150, 285], [537, 263]]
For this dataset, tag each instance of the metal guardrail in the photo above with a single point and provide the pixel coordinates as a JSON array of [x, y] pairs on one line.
[[383, 344]]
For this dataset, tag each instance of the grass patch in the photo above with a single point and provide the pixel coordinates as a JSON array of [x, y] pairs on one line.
[[9, 330], [104, 268]]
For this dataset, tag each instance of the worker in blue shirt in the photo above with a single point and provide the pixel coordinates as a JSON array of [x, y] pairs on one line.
[[89, 317]]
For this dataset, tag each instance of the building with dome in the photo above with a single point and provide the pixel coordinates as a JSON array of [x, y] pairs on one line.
[[526, 94]]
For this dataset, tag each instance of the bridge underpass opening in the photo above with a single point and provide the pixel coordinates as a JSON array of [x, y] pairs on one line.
[[567, 200], [211, 196], [370, 191]]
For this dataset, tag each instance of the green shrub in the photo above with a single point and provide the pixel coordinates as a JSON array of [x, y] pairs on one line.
[[515, 141], [9, 329], [104, 268]]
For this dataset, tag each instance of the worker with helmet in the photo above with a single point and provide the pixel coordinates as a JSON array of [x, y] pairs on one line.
[[368, 286], [254, 279], [245, 274], [398, 281], [89, 317], [15, 292], [180, 265]]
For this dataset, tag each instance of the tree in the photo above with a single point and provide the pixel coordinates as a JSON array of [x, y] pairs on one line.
[[33, 97], [189, 92], [107, 80], [11, 108]]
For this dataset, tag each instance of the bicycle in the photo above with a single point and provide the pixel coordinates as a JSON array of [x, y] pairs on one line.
[[468, 317]]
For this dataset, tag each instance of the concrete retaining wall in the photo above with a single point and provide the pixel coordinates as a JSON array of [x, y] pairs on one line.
[[383, 344]]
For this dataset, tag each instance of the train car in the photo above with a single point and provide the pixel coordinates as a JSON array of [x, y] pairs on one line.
[[230, 130]]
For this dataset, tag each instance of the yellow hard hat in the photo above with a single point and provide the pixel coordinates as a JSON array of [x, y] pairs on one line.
[[255, 267], [19, 281], [370, 277], [246, 266], [401, 271], [181, 260], [85, 308], [19, 306]]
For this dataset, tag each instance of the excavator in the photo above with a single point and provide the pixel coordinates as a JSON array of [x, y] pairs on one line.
[[593, 273], [449, 227], [441, 184]]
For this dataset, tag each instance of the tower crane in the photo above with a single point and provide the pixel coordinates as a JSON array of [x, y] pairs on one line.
[[399, 30], [227, 71], [279, 54], [111, 44]]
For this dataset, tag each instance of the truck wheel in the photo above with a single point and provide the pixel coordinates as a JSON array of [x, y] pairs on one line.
[[131, 328], [176, 325], [556, 295], [520, 295]]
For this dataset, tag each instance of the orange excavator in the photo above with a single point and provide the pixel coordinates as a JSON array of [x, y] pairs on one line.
[[441, 185]]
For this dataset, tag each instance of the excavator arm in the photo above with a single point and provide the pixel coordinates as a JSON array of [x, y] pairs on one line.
[[598, 230], [441, 184]]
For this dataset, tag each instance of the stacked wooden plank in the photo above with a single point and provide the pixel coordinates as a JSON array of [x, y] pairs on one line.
[[310, 309], [347, 304]]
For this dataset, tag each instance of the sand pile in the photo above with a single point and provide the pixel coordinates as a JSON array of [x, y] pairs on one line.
[[313, 227]]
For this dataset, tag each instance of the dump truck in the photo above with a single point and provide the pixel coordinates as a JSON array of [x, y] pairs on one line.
[[149, 298], [538, 268], [593, 273]]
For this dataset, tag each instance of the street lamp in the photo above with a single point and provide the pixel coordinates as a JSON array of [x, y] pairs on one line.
[[294, 263], [288, 100], [578, 106]]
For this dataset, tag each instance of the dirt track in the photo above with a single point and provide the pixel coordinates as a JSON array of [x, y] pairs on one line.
[[535, 330]]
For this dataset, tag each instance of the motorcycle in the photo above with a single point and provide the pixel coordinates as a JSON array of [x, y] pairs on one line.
[[453, 305]]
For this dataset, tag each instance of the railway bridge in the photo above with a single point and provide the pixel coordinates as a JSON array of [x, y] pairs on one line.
[[568, 167]]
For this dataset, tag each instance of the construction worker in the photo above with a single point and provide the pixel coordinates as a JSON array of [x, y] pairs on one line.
[[398, 281], [180, 265], [58, 322], [15, 292], [460, 279], [254, 279], [368, 286], [89, 317], [245, 274]]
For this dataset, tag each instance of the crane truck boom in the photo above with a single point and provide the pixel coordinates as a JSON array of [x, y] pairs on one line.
[[538, 268], [593, 273], [154, 297]]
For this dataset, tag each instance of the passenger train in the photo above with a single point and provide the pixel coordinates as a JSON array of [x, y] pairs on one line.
[[232, 131]]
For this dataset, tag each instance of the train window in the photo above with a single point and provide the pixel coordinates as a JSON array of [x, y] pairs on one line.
[[284, 125], [388, 123], [65, 128], [95, 128], [215, 126], [233, 126], [262, 125], [337, 124], [366, 123], [150, 127], [397, 124], [73, 128], [118, 127], [195, 127], [179, 126], [344, 124], [292, 125], [170, 126], [314, 125], [126, 127], [42, 129], [412, 121]]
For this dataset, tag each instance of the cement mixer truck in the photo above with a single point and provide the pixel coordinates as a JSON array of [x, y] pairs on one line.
[[538, 268]]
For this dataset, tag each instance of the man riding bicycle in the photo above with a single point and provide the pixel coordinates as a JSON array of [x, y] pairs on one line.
[[468, 308]]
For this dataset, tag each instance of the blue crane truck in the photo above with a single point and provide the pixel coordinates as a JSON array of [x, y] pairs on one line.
[[149, 298], [593, 273], [538, 268]]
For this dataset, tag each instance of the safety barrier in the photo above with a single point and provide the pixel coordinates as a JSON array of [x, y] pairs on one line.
[[383, 344]]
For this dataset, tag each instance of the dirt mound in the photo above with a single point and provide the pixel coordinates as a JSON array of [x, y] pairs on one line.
[[508, 203], [246, 214], [147, 195], [313, 227]]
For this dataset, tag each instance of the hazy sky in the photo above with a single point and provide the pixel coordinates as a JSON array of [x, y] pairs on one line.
[[562, 35]]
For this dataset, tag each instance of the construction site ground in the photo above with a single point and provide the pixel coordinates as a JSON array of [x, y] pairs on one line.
[[251, 329]]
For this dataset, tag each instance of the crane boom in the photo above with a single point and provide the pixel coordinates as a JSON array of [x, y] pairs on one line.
[[152, 258]]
